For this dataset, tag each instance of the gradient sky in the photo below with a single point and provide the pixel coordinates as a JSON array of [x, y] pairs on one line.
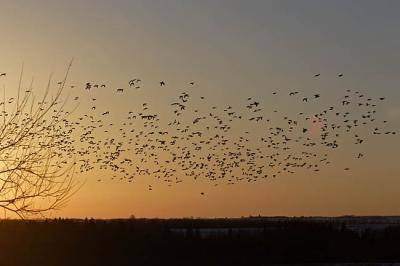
[[232, 49]]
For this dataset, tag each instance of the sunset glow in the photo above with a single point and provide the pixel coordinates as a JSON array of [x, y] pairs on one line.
[[292, 60]]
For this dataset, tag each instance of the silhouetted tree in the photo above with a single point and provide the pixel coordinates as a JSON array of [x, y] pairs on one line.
[[34, 176]]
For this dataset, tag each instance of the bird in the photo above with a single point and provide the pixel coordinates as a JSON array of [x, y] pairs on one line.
[[162, 83], [132, 82], [88, 86], [217, 142]]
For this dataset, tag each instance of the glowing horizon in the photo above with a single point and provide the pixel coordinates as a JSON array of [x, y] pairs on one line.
[[232, 51]]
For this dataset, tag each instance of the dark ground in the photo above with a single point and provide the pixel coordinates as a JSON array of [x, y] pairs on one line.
[[247, 241]]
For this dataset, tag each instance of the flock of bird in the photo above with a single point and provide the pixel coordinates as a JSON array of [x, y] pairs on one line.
[[222, 144]]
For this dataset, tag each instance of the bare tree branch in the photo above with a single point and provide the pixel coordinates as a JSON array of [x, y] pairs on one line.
[[34, 176]]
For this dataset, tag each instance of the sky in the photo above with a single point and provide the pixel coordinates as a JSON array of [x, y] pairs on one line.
[[232, 50]]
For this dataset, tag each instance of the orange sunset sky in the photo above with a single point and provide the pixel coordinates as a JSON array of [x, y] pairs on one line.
[[232, 50]]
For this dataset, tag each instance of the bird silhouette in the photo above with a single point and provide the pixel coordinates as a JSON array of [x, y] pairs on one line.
[[222, 143]]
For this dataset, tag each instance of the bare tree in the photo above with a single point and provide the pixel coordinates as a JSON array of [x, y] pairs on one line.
[[35, 177]]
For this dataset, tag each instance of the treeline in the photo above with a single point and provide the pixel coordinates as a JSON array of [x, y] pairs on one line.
[[161, 242]]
